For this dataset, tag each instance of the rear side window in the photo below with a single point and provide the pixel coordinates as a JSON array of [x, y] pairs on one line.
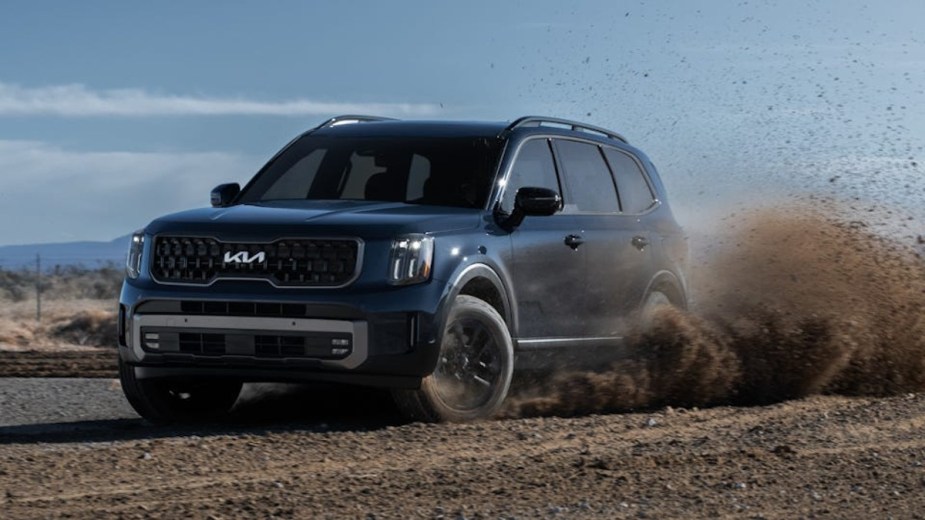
[[635, 193], [533, 167], [589, 182]]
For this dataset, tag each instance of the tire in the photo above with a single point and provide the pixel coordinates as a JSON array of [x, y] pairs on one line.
[[169, 400], [655, 300], [473, 372]]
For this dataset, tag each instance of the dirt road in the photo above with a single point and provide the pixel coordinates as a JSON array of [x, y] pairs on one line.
[[86, 362], [282, 456]]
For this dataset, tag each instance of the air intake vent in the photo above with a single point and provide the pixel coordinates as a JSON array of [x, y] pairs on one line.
[[220, 308], [285, 263], [208, 344], [279, 346]]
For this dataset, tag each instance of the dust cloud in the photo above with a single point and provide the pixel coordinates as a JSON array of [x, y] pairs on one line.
[[789, 302]]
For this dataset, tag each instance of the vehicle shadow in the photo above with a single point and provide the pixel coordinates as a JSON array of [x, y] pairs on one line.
[[261, 409]]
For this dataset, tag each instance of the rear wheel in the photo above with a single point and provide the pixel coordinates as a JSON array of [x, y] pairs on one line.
[[654, 301], [169, 400], [473, 372]]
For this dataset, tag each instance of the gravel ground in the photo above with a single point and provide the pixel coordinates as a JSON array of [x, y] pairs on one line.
[[304, 452], [37, 401]]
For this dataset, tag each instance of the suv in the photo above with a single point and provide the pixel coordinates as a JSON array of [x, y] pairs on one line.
[[429, 258]]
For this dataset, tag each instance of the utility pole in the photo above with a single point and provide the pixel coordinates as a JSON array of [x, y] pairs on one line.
[[38, 287]]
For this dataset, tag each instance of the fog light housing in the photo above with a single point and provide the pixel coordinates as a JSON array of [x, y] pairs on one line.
[[152, 340]]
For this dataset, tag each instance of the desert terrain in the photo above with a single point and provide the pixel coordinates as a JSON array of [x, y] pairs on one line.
[[794, 388], [817, 457]]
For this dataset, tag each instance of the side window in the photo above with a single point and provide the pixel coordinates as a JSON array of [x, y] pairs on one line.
[[591, 188], [534, 167], [635, 193]]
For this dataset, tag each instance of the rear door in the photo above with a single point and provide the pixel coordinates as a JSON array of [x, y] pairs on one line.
[[637, 202], [615, 244]]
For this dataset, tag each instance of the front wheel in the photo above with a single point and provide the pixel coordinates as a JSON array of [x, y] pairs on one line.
[[474, 368], [168, 400]]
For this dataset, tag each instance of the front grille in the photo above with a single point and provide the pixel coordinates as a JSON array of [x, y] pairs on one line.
[[285, 262]]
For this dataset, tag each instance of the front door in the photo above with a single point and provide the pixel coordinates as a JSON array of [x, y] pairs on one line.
[[546, 271]]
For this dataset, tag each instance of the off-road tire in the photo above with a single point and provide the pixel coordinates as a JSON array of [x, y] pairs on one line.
[[430, 402]]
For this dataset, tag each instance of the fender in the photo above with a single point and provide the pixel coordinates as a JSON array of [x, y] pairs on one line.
[[663, 278], [460, 278]]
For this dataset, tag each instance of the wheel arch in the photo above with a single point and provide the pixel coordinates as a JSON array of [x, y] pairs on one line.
[[481, 281], [669, 284]]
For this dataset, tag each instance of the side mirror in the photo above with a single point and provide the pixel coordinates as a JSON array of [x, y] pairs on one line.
[[223, 194], [538, 202], [531, 201]]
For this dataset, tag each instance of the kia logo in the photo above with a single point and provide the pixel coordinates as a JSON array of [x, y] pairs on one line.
[[242, 257]]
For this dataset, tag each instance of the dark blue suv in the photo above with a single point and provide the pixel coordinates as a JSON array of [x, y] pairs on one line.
[[431, 258]]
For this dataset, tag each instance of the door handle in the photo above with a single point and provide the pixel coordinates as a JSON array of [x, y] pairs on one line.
[[640, 242], [574, 241]]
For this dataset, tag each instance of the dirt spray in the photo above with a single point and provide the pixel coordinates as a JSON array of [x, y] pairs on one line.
[[789, 302]]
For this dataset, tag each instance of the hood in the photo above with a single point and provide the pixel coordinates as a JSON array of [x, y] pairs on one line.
[[304, 218]]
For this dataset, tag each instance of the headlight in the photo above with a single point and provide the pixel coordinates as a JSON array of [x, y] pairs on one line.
[[411, 259], [135, 249]]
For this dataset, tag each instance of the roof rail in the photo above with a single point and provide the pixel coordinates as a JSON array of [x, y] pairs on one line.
[[574, 125], [340, 120]]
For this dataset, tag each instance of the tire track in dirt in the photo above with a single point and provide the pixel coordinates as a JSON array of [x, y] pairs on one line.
[[785, 460]]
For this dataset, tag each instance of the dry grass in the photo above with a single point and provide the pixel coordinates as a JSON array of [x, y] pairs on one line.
[[65, 324], [78, 308]]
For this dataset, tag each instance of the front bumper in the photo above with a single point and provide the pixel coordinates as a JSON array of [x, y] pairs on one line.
[[249, 332], [334, 343]]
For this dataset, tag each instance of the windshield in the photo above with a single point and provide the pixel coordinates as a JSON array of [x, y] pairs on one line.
[[434, 171]]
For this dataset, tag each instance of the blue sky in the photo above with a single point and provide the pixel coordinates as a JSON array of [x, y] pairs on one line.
[[112, 113]]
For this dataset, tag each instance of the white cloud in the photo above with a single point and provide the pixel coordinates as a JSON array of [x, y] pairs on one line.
[[77, 100], [50, 194]]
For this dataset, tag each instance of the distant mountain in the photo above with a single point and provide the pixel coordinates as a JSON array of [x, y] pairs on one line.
[[86, 254]]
